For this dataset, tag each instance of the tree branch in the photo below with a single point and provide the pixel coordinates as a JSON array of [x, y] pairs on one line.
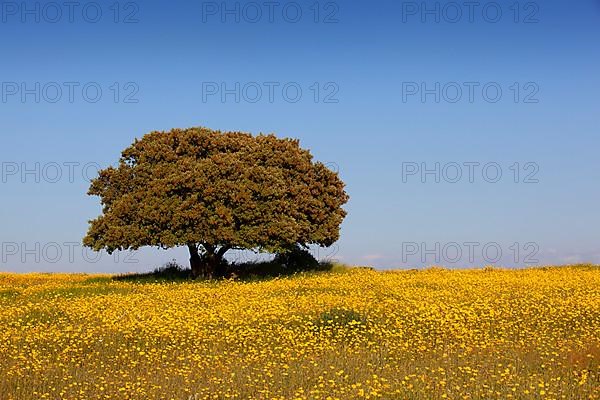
[[209, 248], [223, 250]]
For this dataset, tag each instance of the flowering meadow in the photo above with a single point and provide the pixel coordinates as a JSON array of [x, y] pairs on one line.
[[357, 334]]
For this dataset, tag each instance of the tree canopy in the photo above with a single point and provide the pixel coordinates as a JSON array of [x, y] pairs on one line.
[[213, 191]]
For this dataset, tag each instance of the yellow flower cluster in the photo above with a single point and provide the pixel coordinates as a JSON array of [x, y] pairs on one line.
[[432, 334]]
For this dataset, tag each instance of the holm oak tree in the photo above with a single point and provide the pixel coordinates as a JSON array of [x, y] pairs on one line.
[[213, 191]]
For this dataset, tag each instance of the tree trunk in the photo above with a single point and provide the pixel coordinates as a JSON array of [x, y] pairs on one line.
[[219, 262], [195, 261], [210, 265]]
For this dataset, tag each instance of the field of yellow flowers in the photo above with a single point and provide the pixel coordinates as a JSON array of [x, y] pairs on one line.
[[432, 334]]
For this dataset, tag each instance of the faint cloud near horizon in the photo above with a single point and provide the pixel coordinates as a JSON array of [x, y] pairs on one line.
[[373, 257]]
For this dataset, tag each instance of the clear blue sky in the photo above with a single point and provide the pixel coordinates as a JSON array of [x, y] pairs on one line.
[[369, 73]]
